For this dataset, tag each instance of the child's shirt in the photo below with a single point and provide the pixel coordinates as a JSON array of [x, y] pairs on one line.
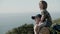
[[47, 17]]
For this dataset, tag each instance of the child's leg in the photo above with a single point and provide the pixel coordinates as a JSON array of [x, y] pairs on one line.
[[48, 24]]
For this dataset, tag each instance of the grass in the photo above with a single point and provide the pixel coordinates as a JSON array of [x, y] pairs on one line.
[[57, 21]]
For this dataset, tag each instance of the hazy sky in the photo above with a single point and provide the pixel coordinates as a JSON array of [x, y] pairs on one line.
[[20, 6]]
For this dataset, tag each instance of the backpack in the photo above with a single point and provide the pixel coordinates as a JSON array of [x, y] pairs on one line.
[[55, 29]]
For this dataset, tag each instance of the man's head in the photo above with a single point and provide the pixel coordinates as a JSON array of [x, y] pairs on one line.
[[43, 5], [37, 18]]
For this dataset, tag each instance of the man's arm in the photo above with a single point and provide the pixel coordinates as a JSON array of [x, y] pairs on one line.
[[36, 29]]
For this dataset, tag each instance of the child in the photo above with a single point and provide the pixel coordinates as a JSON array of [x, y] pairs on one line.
[[45, 14], [39, 25]]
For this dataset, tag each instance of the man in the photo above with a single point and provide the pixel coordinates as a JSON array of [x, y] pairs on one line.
[[39, 27]]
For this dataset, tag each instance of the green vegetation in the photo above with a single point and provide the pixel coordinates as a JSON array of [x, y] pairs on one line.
[[26, 29], [57, 21]]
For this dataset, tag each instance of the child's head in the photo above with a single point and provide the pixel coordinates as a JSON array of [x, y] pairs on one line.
[[37, 18], [43, 5]]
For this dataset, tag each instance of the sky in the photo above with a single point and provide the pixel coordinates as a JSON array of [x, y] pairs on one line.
[[21, 6]]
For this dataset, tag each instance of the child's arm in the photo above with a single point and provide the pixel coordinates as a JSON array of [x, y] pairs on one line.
[[43, 13], [42, 18]]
